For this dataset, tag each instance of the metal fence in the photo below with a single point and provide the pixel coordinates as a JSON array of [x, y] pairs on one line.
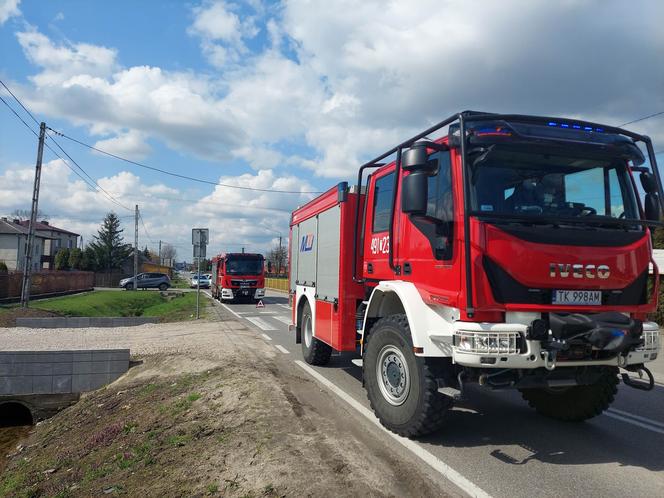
[[280, 284], [45, 283]]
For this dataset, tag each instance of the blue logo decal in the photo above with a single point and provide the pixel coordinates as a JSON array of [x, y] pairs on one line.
[[307, 243]]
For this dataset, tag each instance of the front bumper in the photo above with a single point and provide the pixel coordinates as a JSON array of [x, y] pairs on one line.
[[504, 345], [237, 292]]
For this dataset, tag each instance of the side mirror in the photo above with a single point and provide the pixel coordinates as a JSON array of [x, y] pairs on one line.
[[651, 206], [414, 193], [648, 182], [415, 158]]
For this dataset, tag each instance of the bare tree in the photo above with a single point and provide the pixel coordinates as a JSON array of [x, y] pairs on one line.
[[168, 252], [24, 214], [277, 259]]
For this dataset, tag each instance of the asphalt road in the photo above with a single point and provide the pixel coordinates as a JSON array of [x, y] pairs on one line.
[[494, 444]]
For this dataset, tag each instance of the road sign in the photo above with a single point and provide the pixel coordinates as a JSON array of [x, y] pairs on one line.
[[260, 304], [199, 251], [200, 236]]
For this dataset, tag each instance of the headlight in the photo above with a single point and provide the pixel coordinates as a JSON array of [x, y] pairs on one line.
[[487, 342]]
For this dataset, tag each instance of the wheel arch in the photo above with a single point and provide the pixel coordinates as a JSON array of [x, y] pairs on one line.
[[303, 298], [430, 326]]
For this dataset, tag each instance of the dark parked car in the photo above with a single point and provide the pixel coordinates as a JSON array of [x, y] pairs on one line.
[[159, 281]]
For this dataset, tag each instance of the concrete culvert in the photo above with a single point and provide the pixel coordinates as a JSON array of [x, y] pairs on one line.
[[14, 414]]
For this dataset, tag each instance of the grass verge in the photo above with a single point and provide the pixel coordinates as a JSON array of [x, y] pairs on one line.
[[169, 307]]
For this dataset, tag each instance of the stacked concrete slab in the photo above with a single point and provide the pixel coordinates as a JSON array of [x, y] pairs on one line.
[[59, 372]]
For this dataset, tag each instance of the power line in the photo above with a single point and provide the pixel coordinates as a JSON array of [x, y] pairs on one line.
[[184, 177], [196, 201], [19, 102], [98, 187], [642, 119], [145, 229]]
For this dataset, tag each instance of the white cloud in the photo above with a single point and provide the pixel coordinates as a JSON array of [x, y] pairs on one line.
[[345, 80], [130, 145], [222, 32], [9, 9]]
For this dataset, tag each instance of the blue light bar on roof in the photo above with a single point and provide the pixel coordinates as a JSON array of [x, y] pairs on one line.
[[575, 126]]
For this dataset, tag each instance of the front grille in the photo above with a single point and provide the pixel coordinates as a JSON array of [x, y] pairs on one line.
[[487, 342], [244, 283]]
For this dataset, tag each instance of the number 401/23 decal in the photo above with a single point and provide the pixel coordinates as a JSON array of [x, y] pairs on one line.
[[380, 245]]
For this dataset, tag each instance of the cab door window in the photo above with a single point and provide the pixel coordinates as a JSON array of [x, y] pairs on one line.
[[382, 208]]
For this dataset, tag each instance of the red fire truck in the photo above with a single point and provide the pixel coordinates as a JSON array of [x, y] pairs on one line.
[[238, 276], [513, 252]]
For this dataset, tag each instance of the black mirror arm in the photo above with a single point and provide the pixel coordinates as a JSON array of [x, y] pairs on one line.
[[655, 171]]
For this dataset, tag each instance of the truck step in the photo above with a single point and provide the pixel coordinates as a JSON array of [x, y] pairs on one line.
[[357, 362], [452, 392]]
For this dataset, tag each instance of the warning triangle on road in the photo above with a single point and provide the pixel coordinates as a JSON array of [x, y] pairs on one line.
[[260, 304]]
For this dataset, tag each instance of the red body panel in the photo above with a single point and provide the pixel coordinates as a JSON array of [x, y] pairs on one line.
[[335, 323]]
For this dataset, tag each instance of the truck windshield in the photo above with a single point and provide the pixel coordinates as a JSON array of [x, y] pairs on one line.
[[244, 266], [538, 184]]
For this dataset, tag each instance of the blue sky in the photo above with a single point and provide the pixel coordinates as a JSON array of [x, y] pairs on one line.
[[289, 95]]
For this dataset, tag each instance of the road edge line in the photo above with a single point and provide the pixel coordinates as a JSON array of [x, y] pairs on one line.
[[429, 458], [281, 348]]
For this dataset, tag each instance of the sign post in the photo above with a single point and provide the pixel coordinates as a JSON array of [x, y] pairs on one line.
[[199, 239]]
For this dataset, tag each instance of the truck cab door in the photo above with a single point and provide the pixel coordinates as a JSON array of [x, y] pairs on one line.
[[376, 227]]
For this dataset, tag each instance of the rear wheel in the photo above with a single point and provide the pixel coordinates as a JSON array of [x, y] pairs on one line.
[[401, 387], [163, 287], [576, 403], [315, 352]]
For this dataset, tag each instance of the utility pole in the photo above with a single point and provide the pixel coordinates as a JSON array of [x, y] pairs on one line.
[[279, 257], [27, 261], [136, 248], [160, 253]]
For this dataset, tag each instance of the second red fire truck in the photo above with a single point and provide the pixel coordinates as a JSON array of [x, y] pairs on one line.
[[238, 277], [513, 252]]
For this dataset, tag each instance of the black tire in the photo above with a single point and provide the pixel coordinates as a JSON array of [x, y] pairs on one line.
[[577, 403], [423, 408], [315, 352], [163, 287], [129, 286]]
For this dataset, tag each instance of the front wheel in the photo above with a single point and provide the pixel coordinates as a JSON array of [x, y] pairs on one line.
[[577, 403], [315, 352], [129, 287], [401, 387]]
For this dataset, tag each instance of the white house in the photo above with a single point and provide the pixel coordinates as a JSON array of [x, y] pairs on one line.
[[13, 245], [54, 239]]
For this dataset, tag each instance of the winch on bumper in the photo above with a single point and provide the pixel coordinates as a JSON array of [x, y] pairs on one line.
[[511, 346]]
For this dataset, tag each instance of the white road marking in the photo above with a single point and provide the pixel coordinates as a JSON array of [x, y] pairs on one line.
[[260, 323], [238, 316], [282, 349], [357, 362], [435, 462], [284, 319], [637, 417], [634, 422], [284, 306], [266, 337]]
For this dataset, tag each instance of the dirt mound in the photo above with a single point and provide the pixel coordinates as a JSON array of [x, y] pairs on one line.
[[234, 429]]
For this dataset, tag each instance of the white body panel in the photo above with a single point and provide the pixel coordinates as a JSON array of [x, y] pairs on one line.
[[434, 328]]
